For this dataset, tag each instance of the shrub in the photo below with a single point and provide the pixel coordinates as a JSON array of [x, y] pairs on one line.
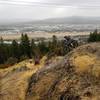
[[23, 58], [11, 61], [94, 37]]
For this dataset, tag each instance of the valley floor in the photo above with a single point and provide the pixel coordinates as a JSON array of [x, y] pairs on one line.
[[41, 35]]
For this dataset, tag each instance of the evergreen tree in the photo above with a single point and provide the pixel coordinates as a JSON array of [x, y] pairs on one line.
[[43, 47], [33, 47], [1, 41], [15, 49], [54, 43], [25, 45], [94, 37], [3, 54]]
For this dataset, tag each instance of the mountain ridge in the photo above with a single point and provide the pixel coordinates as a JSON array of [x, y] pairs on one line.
[[71, 20], [61, 20]]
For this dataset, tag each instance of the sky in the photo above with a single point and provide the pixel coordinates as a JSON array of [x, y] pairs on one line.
[[27, 10]]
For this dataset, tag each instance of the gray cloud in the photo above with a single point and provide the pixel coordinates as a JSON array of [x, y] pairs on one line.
[[11, 10]]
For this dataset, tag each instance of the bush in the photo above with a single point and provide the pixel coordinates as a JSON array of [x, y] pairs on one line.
[[94, 37], [23, 58], [11, 61], [2, 66]]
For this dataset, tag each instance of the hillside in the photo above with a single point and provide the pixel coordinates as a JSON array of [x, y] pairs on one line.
[[14, 80], [73, 77], [71, 20]]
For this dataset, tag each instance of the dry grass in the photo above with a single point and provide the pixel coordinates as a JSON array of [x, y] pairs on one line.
[[14, 83], [41, 35], [87, 59], [89, 63], [84, 62]]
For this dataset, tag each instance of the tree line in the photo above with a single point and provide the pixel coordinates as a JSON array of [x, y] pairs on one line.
[[16, 52], [94, 36]]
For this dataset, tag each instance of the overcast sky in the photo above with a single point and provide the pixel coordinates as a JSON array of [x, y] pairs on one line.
[[40, 9]]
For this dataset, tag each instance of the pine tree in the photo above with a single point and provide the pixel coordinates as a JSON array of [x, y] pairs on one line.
[[15, 49], [3, 54], [54, 43], [43, 48], [33, 47], [94, 37], [1, 41], [25, 45]]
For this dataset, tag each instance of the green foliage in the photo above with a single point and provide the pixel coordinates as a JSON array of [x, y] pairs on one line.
[[33, 47], [11, 61], [15, 52], [23, 58], [15, 49], [94, 37], [42, 46], [1, 41], [25, 45], [54, 44], [3, 51]]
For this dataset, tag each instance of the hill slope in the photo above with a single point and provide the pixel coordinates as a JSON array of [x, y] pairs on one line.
[[14, 80], [73, 77]]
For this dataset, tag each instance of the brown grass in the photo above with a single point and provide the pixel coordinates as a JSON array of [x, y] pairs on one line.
[[14, 83]]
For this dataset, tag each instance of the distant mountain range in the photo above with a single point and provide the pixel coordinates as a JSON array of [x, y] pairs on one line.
[[71, 20], [64, 20]]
